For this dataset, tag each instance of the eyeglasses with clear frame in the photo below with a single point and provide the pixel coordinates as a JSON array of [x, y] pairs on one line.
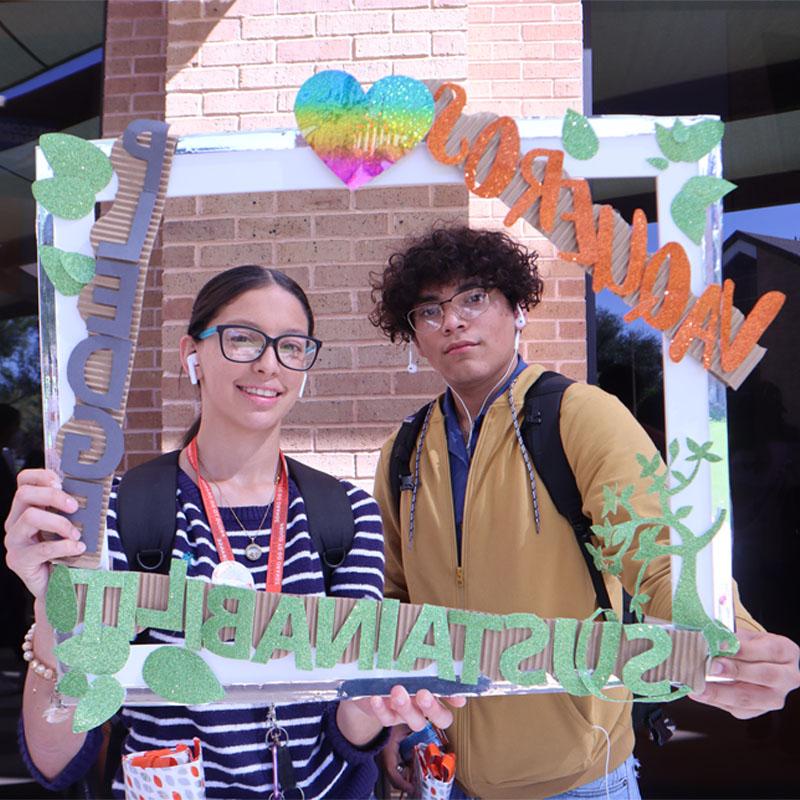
[[243, 344], [467, 303]]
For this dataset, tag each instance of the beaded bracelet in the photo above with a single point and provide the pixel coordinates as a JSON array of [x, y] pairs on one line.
[[39, 667]]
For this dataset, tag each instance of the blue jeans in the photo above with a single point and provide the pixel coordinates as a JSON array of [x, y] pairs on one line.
[[622, 785]]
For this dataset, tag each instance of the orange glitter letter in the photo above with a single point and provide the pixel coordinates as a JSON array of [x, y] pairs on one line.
[[702, 322], [443, 126], [676, 294], [756, 322], [604, 279], [548, 189], [505, 159]]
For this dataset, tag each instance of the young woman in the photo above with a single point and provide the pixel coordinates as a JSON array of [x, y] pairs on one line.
[[249, 346]]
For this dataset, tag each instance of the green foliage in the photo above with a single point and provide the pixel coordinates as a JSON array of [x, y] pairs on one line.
[[689, 142], [61, 603], [74, 684], [578, 137], [618, 538], [181, 676], [658, 163], [688, 208], [98, 655], [103, 699]]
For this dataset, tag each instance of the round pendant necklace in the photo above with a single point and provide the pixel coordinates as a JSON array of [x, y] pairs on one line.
[[254, 551]]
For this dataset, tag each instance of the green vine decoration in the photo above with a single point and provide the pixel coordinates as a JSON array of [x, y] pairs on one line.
[[688, 611]]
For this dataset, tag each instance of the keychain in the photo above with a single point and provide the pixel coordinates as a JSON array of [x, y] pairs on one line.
[[283, 780]]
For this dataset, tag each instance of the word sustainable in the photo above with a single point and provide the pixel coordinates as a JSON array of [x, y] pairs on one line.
[[657, 285], [233, 622]]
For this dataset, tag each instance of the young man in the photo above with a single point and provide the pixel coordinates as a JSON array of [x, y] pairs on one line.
[[487, 537]]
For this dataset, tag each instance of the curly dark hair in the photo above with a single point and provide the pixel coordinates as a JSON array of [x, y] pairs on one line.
[[445, 255]]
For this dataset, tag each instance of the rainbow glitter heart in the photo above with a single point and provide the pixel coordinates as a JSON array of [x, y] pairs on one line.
[[358, 135]]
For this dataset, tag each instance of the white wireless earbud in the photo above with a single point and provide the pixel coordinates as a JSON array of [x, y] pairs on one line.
[[191, 367], [303, 385], [520, 321], [413, 362]]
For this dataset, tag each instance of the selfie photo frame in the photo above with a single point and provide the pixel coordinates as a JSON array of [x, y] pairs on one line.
[[282, 161]]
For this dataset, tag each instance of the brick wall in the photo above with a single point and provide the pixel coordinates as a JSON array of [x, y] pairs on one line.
[[525, 60], [237, 66], [135, 69], [329, 242]]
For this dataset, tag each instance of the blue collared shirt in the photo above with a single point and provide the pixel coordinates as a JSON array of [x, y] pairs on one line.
[[460, 452]]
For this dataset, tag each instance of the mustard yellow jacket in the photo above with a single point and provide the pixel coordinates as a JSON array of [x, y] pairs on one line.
[[529, 746]]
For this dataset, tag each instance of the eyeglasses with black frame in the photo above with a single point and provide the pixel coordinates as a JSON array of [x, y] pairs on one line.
[[467, 303], [243, 344]]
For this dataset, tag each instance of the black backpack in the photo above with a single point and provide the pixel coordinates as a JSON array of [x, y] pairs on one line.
[[146, 514], [542, 437]]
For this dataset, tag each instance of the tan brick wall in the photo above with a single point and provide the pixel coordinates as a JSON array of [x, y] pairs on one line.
[[525, 60], [135, 70], [329, 242], [237, 65]]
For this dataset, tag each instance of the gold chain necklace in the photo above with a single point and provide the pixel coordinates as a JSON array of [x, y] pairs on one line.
[[254, 550]]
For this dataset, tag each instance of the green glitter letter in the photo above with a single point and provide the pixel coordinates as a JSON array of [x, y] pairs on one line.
[[660, 651], [564, 657], [221, 617], [195, 591], [293, 610], [387, 632], [474, 625], [171, 618], [511, 657], [441, 651], [362, 618]]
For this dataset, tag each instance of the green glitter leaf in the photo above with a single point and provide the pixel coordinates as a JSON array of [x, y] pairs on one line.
[[74, 684], [61, 602], [181, 676], [50, 258], [73, 157], [674, 449], [104, 698], [688, 209], [578, 137], [609, 501], [689, 143], [98, 655], [79, 267], [68, 198], [658, 163]]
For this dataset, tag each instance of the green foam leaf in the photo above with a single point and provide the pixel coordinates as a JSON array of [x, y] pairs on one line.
[[61, 602], [68, 198], [73, 157], [658, 163], [104, 698], [578, 136], [99, 655], [688, 208], [181, 676], [74, 684], [50, 258], [79, 267], [689, 142]]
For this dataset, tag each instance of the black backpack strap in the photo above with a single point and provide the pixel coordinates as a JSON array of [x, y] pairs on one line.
[[542, 436], [146, 513], [329, 513], [401, 475]]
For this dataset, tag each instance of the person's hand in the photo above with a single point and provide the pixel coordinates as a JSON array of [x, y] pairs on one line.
[[397, 773], [361, 720], [762, 673], [33, 511]]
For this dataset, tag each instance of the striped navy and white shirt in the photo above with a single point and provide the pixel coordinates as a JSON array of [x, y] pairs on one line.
[[236, 759]]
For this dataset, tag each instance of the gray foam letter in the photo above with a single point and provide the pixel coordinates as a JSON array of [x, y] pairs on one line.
[[122, 298], [77, 443], [76, 370], [89, 517]]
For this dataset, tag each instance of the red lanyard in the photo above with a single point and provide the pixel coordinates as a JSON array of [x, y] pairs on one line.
[[277, 537]]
